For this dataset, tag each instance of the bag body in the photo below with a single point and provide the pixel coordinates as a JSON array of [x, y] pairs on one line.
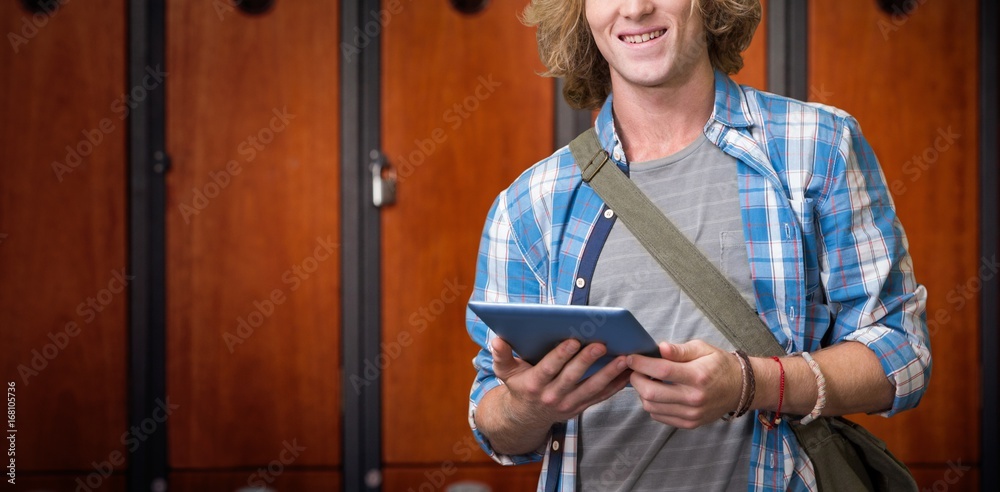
[[846, 456]]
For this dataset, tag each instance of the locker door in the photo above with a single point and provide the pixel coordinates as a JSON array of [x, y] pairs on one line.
[[63, 292], [253, 270], [911, 81], [463, 114]]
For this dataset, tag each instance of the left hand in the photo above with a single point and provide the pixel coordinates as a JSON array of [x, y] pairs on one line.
[[704, 383]]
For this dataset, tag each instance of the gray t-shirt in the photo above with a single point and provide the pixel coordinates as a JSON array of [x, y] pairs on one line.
[[621, 446]]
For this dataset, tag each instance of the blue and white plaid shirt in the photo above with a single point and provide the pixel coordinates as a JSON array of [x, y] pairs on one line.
[[827, 255]]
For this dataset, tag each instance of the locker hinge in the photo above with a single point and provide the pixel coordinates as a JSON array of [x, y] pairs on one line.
[[161, 162]]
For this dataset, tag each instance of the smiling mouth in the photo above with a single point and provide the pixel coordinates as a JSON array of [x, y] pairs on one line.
[[642, 38]]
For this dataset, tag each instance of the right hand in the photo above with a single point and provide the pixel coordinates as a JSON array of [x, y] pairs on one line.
[[551, 391]]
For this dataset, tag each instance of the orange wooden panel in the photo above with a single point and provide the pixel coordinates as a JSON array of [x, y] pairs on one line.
[[62, 231], [442, 476], [276, 478], [911, 82], [253, 233], [463, 114], [70, 482], [754, 71]]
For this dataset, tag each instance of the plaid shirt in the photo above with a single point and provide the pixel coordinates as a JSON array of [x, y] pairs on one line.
[[827, 255]]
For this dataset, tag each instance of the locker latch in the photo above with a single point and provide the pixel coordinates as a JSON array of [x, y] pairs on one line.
[[383, 180]]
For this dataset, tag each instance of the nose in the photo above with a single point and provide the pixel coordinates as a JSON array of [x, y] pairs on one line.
[[636, 9]]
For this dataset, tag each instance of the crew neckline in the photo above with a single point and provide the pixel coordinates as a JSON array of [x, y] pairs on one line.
[[670, 159]]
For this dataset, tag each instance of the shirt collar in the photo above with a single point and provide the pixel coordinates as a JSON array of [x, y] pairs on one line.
[[730, 110]]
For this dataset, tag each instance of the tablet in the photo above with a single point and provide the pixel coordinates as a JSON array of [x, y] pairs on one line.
[[533, 330]]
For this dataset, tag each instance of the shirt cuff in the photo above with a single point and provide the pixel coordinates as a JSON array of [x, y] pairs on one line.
[[905, 370]]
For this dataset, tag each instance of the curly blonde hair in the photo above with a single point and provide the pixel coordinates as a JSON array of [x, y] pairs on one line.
[[567, 48]]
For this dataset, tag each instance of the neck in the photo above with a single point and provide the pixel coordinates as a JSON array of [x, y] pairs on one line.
[[655, 122]]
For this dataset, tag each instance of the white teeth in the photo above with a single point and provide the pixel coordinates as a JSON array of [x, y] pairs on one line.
[[642, 38]]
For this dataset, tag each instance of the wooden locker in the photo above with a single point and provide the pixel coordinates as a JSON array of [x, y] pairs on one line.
[[253, 234], [63, 283], [911, 81]]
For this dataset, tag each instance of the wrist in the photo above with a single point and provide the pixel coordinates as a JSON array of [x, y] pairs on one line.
[[768, 381], [521, 414], [747, 386], [800, 385]]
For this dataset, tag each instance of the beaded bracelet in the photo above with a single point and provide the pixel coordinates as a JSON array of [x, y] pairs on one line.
[[770, 424], [820, 390]]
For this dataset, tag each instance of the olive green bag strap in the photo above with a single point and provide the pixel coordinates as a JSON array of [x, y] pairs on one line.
[[844, 455], [693, 272]]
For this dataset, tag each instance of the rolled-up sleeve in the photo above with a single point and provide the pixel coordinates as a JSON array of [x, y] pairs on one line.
[[502, 275], [867, 270]]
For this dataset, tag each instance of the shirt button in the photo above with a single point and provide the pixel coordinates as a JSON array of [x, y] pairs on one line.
[[580, 282], [555, 445], [618, 156], [609, 213]]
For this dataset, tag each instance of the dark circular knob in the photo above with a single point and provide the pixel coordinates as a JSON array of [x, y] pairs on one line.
[[254, 7], [902, 7], [469, 7], [41, 6]]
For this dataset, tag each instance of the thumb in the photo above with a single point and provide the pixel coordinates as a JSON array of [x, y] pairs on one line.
[[504, 363], [684, 352]]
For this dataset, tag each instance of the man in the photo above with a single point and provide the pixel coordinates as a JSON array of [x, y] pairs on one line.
[[786, 198]]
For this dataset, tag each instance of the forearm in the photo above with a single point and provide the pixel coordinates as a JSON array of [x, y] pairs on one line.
[[855, 382], [508, 432]]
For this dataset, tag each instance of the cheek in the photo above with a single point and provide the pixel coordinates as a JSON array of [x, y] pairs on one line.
[[597, 16]]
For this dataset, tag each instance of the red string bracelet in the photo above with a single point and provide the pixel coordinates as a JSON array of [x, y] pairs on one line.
[[781, 398]]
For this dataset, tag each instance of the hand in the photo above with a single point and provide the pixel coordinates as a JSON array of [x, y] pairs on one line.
[[704, 383], [551, 391]]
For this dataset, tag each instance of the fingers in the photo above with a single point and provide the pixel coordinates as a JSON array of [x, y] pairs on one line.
[[503, 358], [660, 392], [674, 366], [703, 382], [578, 365], [602, 384], [553, 363], [553, 385], [685, 352]]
